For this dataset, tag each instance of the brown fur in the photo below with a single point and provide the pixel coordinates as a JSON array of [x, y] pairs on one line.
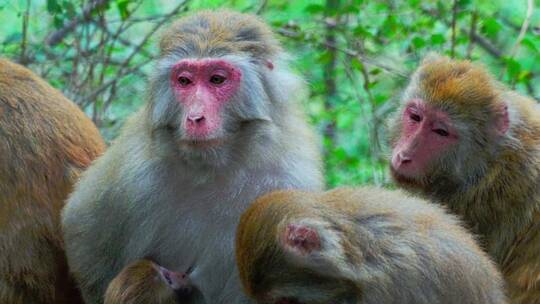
[[377, 246], [46, 142], [231, 33], [500, 202]]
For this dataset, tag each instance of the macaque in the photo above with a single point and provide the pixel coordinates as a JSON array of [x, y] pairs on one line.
[[365, 245], [221, 127], [463, 140], [46, 141], [145, 282]]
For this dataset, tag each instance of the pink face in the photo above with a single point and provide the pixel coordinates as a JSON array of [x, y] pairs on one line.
[[426, 133], [203, 86]]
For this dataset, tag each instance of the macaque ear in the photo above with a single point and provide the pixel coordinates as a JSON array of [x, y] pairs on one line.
[[269, 64], [315, 245], [502, 121], [301, 239]]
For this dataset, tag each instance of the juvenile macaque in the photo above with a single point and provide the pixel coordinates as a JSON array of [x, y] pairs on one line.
[[145, 282], [221, 127], [365, 245], [45, 143], [465, 141]]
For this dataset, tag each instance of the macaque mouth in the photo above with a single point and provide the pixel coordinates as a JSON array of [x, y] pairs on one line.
[[202, 143], [405, 180]]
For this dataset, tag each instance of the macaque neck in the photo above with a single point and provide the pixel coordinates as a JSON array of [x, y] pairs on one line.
[[507, 191]]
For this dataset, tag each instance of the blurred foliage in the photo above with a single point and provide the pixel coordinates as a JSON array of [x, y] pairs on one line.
[[356, 56]]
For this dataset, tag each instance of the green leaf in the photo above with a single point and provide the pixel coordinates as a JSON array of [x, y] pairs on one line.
[[514, 68], [325, 57], [58, 21], [524, 76], [491, 26], [529, 43], [418, 42], [437, 39], [314, 8], [69, 7], [53, 7], [123, 10], [345, 119], [356, 64]]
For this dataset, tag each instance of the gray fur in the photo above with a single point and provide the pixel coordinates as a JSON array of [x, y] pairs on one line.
[[147, 197]]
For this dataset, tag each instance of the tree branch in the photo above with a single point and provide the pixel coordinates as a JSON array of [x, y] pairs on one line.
[[59, 35], [23, 59], [362, 57], [472, 32], [522, 32], [454, 20]]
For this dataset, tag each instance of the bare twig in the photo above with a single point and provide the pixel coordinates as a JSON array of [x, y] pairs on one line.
[[479, 39], [486, 45], [524, 27], [59, 35], [347, 51], [125, 68], [454, 20], [262, 7], [90, 97], [156, 27], [472, 32], [329, 70], [116, 36], [521, 36], [23, 58]]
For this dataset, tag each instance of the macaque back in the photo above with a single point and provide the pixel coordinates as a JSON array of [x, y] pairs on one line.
[[46, 142], [364, 245]]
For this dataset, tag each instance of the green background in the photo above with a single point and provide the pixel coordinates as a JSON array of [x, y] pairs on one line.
[[355, 55]]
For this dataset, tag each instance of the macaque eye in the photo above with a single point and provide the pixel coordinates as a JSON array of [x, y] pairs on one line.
[[415, 117], [184, 81], [441, 132], [217, 79]]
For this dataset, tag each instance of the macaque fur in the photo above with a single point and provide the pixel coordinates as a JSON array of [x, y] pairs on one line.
[[46, 142], [465, 141], [144, 281], [364, 245], [221, 127]]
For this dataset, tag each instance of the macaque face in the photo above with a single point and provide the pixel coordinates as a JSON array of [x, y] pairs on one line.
[[178, 281], [203, 87], [427, 134]]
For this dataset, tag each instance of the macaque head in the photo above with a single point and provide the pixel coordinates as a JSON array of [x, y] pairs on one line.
[[287, 253], [144, 281], [450, 123], [216, 82], [178, 282]]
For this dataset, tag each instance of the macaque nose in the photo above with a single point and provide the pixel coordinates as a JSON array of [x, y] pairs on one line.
[[404, 159], [400, 159], [196, 119]]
